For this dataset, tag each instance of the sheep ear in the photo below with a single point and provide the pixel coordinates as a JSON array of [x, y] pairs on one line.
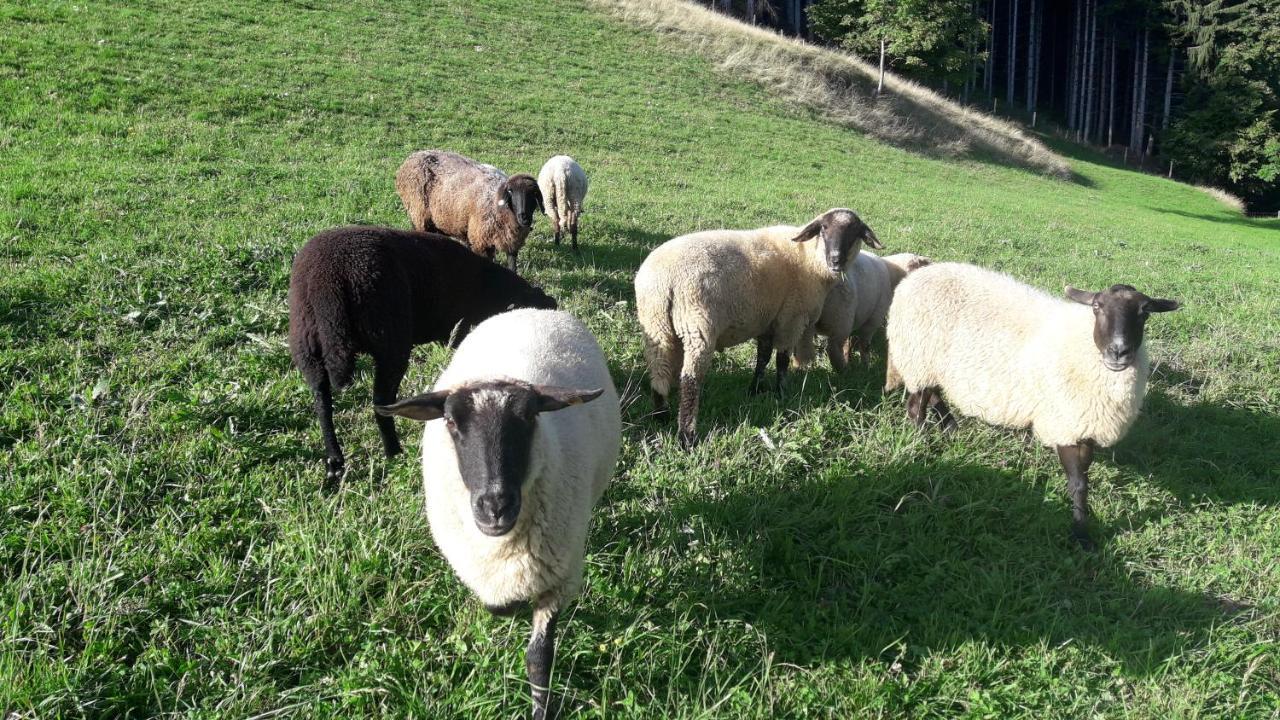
[[1162, 305], [551, 397], [537, 196], [872, 241], [1084, 297], [918, 262], [808, 232], [420, 407]]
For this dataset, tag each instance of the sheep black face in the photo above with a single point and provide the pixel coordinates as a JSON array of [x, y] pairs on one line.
[[841, 231], [1119, 319], [521, 194], [492, 425]]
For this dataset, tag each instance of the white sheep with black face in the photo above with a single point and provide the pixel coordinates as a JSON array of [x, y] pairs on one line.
[[522, 434], [995, 348], [711, 290]]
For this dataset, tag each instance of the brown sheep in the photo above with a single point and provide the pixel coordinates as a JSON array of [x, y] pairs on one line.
[[452, 194], [380, 291]]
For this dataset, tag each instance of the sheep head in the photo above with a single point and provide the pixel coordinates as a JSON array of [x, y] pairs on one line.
[[521, 195], [1119, 319], [492, 424], [841, 233]]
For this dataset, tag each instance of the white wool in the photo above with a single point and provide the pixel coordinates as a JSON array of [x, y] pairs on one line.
[[1011, 355], [572, 459], [715, 289], [564, 186]]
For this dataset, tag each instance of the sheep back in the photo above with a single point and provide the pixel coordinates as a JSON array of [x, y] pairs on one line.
[[720, 288], [573, 457], [1011, 355], [380, 291], [452, 194]]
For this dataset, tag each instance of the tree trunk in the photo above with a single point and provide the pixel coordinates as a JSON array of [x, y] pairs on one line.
[[1168, 91], [1031, 55], [880, 86], [1133, 103], [989, 71], [1111, 91], [1142, 99], [751, 11], [726, 6], [1011, 75], [1091, 102], [1073, 78]]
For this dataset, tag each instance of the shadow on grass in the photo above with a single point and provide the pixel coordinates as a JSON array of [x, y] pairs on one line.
[[1201, 450], [901, 562], [1230, 219]]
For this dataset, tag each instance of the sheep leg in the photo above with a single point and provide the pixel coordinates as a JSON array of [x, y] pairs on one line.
[[573, 230], [764, 348], [387, 375], [946, 420], [836, 353], [782, 363], [539, 656], [916, 407], [696, 361], [1075, 461], [555, 227], [511, 261], [334, 462]]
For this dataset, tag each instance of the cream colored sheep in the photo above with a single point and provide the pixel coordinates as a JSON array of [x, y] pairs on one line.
[[997, 349], [857, 306], [564, 185], [708, 291]]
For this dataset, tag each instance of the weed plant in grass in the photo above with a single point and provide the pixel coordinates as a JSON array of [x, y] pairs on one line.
[[165, 549]]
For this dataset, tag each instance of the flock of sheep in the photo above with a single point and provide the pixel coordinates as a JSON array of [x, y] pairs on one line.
[[531, 425]]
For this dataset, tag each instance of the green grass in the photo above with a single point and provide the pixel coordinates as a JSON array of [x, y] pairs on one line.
[[165, 549]]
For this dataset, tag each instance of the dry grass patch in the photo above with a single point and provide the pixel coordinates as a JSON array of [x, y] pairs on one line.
[[1222, 196], [841, 86]]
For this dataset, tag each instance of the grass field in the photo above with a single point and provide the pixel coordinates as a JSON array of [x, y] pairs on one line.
[[165, 549]]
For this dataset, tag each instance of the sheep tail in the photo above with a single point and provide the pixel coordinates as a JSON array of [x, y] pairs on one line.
[[662, 351], [332, 337], [559, 184]]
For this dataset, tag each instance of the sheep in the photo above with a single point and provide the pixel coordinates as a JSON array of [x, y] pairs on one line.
[[564, 186], [381, 291], [857, 306], [711, 290], [1074, 372], [510, 476], [477, 203]]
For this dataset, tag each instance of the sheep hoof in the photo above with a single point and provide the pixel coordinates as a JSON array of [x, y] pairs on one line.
[[1081, 536], [334, 470], [688, 439]]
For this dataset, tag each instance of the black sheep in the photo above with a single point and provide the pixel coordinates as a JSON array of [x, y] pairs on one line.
[[381, 291]]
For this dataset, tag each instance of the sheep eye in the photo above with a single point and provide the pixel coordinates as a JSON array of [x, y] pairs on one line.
[[449, 423]]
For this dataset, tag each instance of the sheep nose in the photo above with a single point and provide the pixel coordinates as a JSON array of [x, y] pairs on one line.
[[495, 513]]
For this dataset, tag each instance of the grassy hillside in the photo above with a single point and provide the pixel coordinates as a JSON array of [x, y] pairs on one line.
[[164, 547]]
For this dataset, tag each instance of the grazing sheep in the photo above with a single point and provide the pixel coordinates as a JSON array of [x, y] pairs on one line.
[[1074, 372], [510, 476], [857, 306], [564, 186], [708, 291], [452, 194], [381, 291]]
